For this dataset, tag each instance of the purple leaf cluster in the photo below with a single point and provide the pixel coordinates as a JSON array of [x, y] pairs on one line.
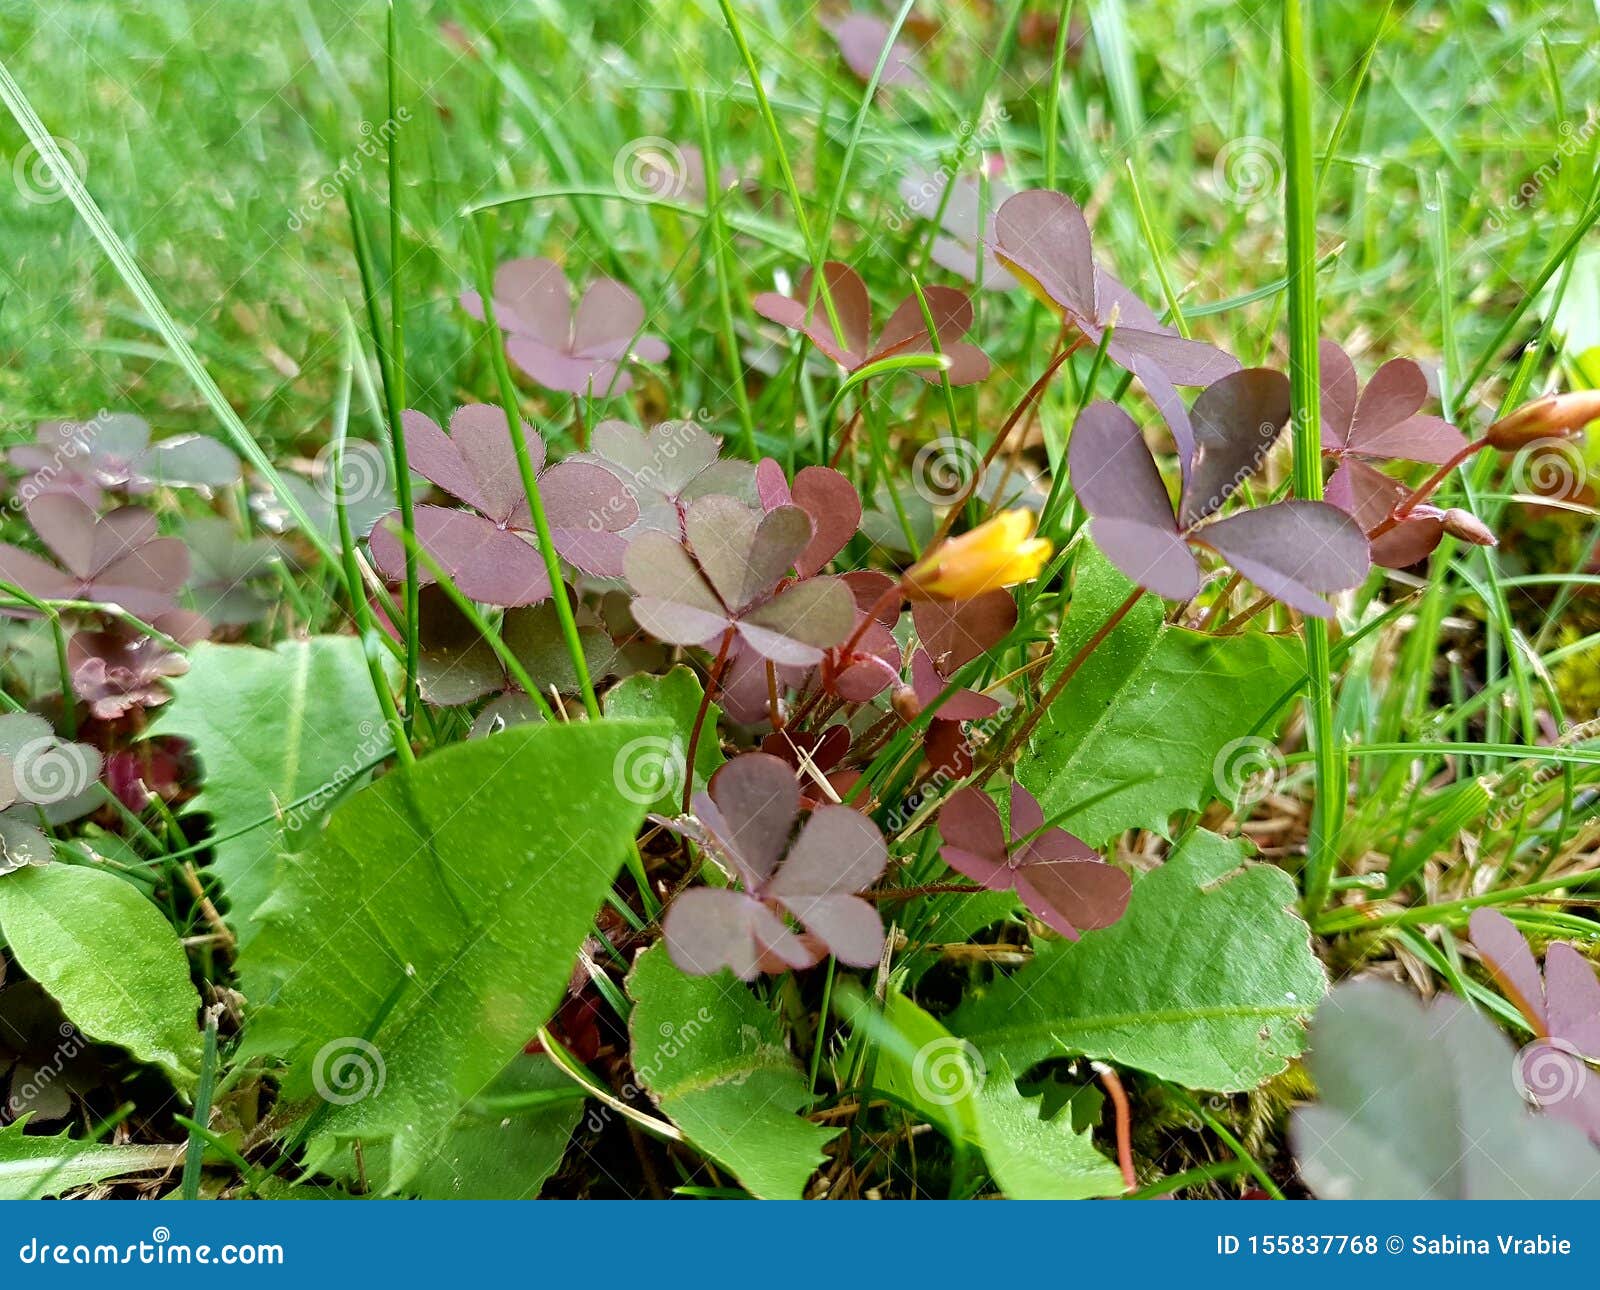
[[119, 669], [1383, 422], [113, 452], [1562, 1006], [488, 550], [577, 350], [805, 867], [113, 559], [1293, 550], [1064, 883], [906, 331]]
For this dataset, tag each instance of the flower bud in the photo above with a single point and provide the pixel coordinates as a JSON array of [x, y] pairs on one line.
[[1468, 527], [1550, 417]]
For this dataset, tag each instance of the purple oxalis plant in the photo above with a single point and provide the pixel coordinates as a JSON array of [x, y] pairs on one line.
[[1042, 237], [1384, 422], [723, 583], [577, 351], [1061, 880], [1292, 550], [1563, 1008], [905, 332], [112, 559], [120, 668], [747, 819], [484, 549], [113, 451]]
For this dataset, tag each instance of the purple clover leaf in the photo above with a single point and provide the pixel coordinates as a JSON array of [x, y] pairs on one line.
[[1293, 550], [747, 819], [484, 550], [1043, 238], [577, 351], [905, 332], [725, 578], [112, 559], [1064, 883]]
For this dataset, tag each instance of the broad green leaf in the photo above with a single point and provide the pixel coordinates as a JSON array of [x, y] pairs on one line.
[[1154, 716], [110, 959], [715, 1059], [270, 727], [977, 1104], [675, 698], [411, 953], [33, 1166], [507, 1141], [1205, 981], [1426, 1103]]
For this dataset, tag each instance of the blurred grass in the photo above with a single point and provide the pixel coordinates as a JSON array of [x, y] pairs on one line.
[[207, 130]]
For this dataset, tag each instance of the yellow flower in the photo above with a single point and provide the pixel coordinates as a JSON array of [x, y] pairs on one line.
[[998, 553]]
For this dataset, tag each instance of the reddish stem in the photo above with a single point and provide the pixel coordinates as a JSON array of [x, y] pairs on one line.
[[1034, 391], [700, 717], [1124, 1121], [1424, 490], [1067, 673]]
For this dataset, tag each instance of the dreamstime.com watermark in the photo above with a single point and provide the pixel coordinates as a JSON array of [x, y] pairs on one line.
[[1575, 139], [35, 175], [674, 1039], [160, 1250], [925, 198], [76, 443], [374, 138]]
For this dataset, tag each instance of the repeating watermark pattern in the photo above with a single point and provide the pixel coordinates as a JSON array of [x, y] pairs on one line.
[[361, 475], [47, 770], [1248, 170], [947, 1070], [675, 1039], [1247, 769], [1549, 1072], [944, 470], [1550, 468], [650, 169], [926, 193], [1575, 139], [374, 139], [348, 1070], [26, 1094], [77, 441], [34, 172], [375, 742], [1510, 807], [649, 768]]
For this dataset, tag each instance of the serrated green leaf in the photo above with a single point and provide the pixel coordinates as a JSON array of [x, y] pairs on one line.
[[508, 1141], [674, 697], [1135, 737], [110, 959], [716, 1061], [1206, 980], [270, 727], [33, 1166], [407, 957], [976, 1103]]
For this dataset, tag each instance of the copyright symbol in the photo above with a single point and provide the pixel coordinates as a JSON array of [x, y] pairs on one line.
[[1395, 1244]]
